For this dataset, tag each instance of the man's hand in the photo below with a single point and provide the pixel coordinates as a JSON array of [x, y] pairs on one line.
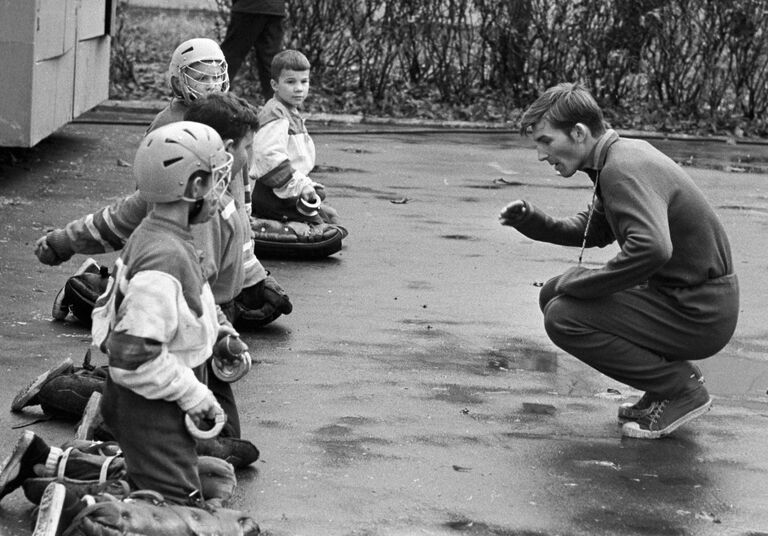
[[513, 213]]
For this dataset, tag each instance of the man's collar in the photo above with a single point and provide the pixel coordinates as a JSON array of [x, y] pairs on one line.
[[596, 159]]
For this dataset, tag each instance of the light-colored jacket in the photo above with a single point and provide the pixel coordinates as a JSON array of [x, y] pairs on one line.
[[158, 319]]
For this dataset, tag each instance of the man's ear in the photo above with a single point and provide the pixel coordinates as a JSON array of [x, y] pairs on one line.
[[580, 132], [228, 144]]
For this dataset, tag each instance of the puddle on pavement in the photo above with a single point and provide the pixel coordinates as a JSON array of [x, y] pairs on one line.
[[470, 527], [460, 237], [668, 477], [457, 394], [521, 355], [341, 446]]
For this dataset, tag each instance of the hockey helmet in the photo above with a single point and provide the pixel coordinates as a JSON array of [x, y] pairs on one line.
[[200, 68], [169, 155]]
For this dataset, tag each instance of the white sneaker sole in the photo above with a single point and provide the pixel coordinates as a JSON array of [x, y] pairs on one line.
[[49, 513], [12, 464], [632, 429]]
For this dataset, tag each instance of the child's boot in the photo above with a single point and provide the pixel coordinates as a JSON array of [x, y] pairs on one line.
[[30, 450], [239, 452], [28, 394], [63, 391]]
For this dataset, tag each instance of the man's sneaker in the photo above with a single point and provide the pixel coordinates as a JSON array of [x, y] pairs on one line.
[[642, 408], [631, 412], [26, 397], [666, 416], [19, 466]]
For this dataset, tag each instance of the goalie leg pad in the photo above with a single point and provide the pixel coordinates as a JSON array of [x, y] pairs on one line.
[[141, 518], [295, 240], [66, 396]]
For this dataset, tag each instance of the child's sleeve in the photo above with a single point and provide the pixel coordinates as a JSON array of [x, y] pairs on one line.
[[139, 357], [105, 230], [271, 163]]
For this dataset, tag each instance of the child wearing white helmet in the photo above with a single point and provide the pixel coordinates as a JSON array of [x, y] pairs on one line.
[[158, 320], [197, 68]]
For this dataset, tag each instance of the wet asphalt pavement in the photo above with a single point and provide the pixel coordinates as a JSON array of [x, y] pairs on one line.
[[413, 389]]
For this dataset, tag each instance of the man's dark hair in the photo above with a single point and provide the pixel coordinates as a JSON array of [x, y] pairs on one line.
[[563, 106], [231, 116]]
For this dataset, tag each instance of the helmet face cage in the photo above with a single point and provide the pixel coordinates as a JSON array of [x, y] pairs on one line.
[[203, 77], [221, 175], [199, 67]]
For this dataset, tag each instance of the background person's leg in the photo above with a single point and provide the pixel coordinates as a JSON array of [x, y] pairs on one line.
[[268, 43], [242, 32]]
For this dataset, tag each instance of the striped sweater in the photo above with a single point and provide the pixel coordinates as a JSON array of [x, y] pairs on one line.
[[225, 240]]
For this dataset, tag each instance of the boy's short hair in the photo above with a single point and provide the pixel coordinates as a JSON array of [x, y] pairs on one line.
[[288, 60], [231, 116], [563, 106]]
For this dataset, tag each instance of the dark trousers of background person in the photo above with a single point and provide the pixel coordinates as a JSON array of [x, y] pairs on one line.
[[253, 31]]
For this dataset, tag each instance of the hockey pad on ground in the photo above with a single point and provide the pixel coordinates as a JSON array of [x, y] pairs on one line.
[[295, 240]]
